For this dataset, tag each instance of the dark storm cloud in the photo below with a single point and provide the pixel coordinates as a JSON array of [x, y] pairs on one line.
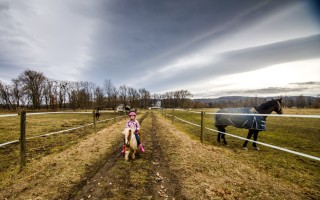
[[139, 43], [310, 83], [279, 91], [293, 89], [137, 37], [246, 60], [272, 90]]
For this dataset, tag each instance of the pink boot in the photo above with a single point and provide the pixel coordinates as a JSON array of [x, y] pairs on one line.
[[141, 148], [123, 149]]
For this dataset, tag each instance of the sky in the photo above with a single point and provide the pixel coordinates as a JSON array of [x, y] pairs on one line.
[[211, 48]]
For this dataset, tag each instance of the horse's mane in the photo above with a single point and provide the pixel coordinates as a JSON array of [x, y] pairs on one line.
[[125, 130], [267, 104]]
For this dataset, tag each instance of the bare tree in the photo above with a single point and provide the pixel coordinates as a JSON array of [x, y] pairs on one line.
[[62, 92], [99, 97], [33, 83], [301, 102], [133, 97], [145, 97], [19, 94], [47, 92], [72, 95], [6, 95], [168, 100], [185, 96], [123, 94], [112, 94]]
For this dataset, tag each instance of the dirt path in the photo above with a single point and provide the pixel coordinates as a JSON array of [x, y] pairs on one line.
[[146, 177]]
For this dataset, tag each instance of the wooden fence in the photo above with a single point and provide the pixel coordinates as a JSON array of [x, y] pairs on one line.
[[23, 138]]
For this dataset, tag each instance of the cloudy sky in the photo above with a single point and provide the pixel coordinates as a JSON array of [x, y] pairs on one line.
[[210, 47]]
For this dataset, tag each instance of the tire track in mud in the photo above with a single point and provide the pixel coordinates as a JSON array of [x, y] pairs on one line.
[[165, 184], [146, 177]]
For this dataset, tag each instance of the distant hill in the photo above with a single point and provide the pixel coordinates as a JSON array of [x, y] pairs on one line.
[[244, 101]]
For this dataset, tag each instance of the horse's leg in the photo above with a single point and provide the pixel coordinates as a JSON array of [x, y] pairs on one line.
[[255, 137], [244, 146], [219, 134], [221, 131], [223, 136]]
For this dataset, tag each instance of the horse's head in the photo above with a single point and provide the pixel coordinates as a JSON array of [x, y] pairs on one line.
[[278, 106]]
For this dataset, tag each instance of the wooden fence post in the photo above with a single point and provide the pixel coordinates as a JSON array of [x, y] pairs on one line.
[[172, 115], [22, 139], [114, 115], [202, 127], [94, 121]]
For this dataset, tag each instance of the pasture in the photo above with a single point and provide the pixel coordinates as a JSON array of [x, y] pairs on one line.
[[218, 171], [37, 125], [297, 134]]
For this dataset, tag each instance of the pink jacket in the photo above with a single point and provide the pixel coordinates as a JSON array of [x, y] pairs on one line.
[[133, 124]]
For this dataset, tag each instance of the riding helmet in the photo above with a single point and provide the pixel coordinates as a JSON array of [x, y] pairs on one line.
[[132, 114]]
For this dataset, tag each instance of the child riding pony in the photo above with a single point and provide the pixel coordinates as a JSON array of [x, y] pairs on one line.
[[134, 124]]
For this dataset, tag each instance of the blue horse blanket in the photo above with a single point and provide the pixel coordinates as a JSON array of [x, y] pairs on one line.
[[254, 122]]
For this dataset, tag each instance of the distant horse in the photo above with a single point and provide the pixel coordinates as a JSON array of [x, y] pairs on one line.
[[97, 114], [127, 109], [254, 123], [131, 143]]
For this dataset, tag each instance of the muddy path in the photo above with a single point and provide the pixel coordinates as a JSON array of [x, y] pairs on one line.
[[146, 177]]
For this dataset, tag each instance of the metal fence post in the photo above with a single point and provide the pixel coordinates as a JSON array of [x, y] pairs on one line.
[[202, 127], [22, 139]]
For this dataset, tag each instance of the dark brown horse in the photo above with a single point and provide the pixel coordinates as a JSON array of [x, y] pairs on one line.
[[246, 118], [97, 114]]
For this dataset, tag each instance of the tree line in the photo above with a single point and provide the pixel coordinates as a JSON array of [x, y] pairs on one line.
[[288, 102], [33, 90]]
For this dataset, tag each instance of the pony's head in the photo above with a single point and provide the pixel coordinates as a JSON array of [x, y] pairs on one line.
[[128, 134]]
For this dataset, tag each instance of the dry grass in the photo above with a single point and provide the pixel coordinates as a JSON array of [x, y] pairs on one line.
[[213, 172], [55, 174], [42, 146], [202, 171]]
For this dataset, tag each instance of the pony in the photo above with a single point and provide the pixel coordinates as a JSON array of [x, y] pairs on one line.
[[131, 143], [254, 123]]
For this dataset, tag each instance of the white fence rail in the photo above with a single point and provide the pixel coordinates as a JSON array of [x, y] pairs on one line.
[[261, 143]]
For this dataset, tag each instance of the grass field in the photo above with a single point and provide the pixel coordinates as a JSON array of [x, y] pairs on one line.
[[297, 134], [37, 125], [218, 171]]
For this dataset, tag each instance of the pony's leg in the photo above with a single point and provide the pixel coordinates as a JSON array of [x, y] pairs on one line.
[[134, 154], [123, 150], [244, 146], [255, 137], [126, 156]]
